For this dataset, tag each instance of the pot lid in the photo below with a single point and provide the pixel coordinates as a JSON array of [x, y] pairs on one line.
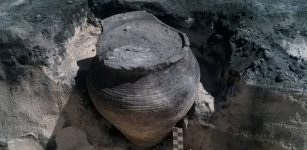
[[138, 40]]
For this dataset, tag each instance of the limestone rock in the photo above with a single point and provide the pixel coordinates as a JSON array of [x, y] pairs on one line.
[[205, 101], [25, 144], [40, 44]]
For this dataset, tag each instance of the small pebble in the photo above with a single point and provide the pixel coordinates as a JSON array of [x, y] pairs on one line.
[[267, 54], [270, 68], [302, 66], [127, 28], [277, 67], [279, 78], [189, 20]]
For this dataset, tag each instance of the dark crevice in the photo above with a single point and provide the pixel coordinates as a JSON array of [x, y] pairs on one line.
[[51, 144], [116, 7]]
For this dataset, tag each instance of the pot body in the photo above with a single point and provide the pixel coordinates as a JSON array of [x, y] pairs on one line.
[[144, 107], [144, 104]]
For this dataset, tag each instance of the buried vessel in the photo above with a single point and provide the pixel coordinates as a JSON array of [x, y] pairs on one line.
[[144, 78]]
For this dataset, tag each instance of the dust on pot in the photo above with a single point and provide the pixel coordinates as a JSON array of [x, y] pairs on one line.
[[144, 78]]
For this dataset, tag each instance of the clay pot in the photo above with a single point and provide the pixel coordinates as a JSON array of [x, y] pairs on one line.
[[144, 78]]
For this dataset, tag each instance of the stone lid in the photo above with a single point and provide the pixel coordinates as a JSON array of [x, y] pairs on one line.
[[138, 40]]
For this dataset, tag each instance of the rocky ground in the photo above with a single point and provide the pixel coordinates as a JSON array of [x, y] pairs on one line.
[[252, 54]]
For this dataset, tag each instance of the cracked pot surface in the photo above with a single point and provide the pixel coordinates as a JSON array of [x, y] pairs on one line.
[[143, 105]]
